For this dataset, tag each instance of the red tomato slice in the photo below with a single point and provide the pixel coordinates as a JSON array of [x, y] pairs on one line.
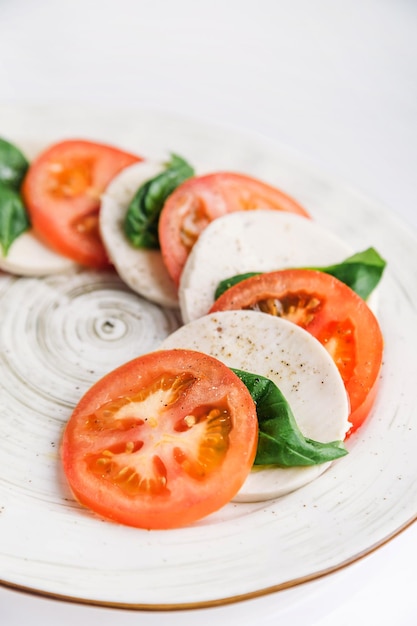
[[62, 190], [198, 201], [330, 311], [161, 441]]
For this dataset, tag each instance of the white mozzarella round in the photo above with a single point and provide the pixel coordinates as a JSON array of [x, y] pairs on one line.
[[252, 241], [142, 270], [28, 256], [300, 367]]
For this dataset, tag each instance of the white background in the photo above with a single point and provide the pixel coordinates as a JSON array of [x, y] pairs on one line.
[[334, 80]]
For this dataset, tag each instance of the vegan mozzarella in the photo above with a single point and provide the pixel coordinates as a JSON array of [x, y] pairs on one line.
[[297, 363], [142, 270], [252, 241], [28, 256]]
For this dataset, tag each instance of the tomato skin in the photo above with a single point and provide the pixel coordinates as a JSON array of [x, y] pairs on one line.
[[183, 492], [62, 190], [330, 311], [199, 200]]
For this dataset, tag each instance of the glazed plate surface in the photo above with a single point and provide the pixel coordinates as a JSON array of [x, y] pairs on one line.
[[61, 333]]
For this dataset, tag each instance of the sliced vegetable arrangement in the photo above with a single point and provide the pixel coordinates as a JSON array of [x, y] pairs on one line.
[[143, 213], [199, 201], [21, 252], [161, 441], [279, 355], [306, 375], [62, 191], [331, 312], [142, 269]]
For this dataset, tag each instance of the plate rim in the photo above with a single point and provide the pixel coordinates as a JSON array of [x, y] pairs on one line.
[[295, 157]]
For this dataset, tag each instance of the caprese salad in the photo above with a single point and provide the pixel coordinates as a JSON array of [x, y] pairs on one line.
[[279, 355]]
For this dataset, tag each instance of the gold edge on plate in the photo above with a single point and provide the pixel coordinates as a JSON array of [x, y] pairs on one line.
[[206, 604]]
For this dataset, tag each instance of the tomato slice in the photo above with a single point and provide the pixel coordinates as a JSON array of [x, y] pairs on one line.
[[161, 441], [329, 310], [62, 190], [198, 201]]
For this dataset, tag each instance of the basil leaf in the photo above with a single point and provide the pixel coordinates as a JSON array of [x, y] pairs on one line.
[[225, 284], [13, 217], [13, 165], [142, 217], [280, 441], [361, 272]]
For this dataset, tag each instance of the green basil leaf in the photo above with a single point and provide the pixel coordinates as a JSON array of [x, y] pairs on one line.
[[225, 284], [280, 441], [13, 165], [361, 272], [142, 217], [13, 217]]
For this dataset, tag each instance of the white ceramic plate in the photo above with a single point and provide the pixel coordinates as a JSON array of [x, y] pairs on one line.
[[56, 338]]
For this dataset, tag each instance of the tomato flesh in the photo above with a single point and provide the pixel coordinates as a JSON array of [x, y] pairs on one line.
[[62, 191], [161, 441], [330, 311], [199, 200]]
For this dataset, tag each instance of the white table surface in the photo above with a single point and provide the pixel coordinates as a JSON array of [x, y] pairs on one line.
[[335, 81]]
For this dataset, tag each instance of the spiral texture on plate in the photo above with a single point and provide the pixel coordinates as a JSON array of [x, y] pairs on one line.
[[60, 334]]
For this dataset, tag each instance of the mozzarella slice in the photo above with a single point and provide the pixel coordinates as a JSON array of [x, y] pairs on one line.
[[28, 256], [142, 270], [297, 363], [251, 241]]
